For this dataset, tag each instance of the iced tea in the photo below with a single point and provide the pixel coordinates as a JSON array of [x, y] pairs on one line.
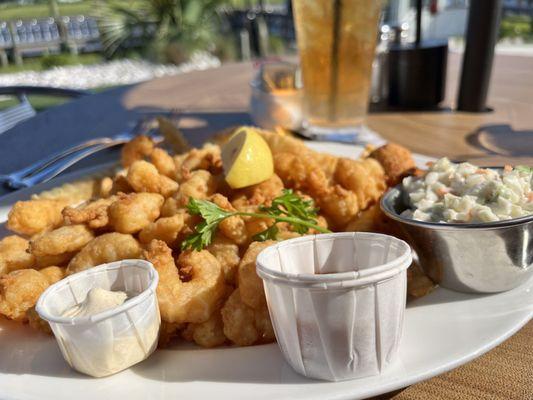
[[336, 40]]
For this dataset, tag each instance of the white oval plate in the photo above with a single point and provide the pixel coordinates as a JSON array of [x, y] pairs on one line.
[[442, 331]]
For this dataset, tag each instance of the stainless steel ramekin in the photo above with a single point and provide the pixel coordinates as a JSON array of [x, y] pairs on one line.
[[477, 258]]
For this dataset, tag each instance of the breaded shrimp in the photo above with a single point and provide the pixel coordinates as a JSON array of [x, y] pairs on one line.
[[13, 254], [243, 325], [232, 227], [166, 229], [186, 301], [137, 149], [198, 185], [365, 177], [207, 158], [264, 192], [34, 216], [20, 290], [227, 254], [164, 163], [144, 177], [250, 285], [339, 205], [106, 248], [66, 239], [134, 211], [396, 160], [92, 213]]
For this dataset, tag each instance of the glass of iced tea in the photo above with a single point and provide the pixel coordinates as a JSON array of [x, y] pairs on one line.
[[336, 41]]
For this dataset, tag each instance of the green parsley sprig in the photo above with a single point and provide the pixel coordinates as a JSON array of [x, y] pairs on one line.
[[300, 214]]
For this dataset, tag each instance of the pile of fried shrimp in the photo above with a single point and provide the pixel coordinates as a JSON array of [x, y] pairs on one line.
[[211, 297]]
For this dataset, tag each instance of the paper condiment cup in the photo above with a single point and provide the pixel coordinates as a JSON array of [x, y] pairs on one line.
[[337, 301], [111, 341]]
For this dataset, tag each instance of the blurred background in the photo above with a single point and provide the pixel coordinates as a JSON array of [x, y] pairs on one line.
[[97, 44]]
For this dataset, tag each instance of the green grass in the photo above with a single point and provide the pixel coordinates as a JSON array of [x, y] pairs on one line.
[[34, 64], [11, 11]]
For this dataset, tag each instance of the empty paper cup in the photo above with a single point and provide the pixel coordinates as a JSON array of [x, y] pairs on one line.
[[337, 301], [113, 340]]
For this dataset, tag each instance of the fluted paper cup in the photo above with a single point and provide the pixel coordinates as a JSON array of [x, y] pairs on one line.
[[111, 341], [337, 301]]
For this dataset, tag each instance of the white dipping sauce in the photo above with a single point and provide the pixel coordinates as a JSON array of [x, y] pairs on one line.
[[98, 300]]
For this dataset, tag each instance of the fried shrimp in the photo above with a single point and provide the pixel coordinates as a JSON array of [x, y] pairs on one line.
[[34, 216], [20, 290], [137, 149], [65, 239], [144, 177], [186, 301], [365, 178], [93, 213], [233, 227], [250, 285], [301, 172], [339, 205], [243, 325], [164, 163], [134, 211], [198, 185], [396, 160], [207, 158], [207, 334], [166, 229], [264, 192], [13, 254], [106, 248], [227, 254]]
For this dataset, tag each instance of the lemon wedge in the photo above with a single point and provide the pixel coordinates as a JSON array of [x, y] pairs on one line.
[[246, 159]]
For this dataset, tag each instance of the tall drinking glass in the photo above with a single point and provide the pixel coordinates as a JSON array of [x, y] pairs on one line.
[[336, 41]]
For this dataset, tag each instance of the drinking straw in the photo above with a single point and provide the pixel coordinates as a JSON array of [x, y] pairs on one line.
[[334, 63], [418, 22]]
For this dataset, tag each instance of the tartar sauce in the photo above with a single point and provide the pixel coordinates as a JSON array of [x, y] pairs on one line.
[[465, 193], [98, 300]]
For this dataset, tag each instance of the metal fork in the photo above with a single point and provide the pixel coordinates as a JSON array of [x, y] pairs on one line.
[[53, 165]]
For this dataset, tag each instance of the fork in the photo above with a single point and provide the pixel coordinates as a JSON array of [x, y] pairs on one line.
[[51, 166]]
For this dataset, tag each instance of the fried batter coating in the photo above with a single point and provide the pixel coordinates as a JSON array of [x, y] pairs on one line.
[[54, 274], [106, 248], [339, 205], [92, 213], [170, 207], [227, 254], [232, 227], [20, 290], [165, 229], [34, 216], [137, 149], [65, 239], [50, 260], [301, 172], [206, 158], [207, 334], [164, 163], [105, 188], [134, 211], [186, 301], [366, 178], [264, 192], [198, 185], [168, 332], [250, 284], [396, 160], [144, 177], [244, 326], [418, 284], [13, 254]]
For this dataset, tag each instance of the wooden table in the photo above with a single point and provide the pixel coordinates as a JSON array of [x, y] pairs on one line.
[[214, 99]]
